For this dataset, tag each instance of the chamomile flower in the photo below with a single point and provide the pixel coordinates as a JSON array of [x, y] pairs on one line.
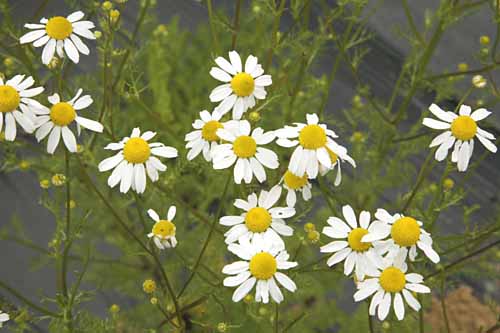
[[163, 232], [460, 132], [60, 34], [243, 149], [17, 106], [262, 261], [59, 117], [135, 158], [292, 184], [406, 234], [241, 87], [391, 281], [4, 317], [204, 138], [315, 147], [260, 217], [338, 155], [357, 255]]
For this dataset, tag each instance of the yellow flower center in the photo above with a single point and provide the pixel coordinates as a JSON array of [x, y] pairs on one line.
[[164, 228], [9, 99], [463, 128], [405, 231], [294, 182], [392, 280], [258, 219], [263, 266], [242, 84], [312, 137], [333, 157], [136, 150], [208, 132], [354, 240], [62, 114], [149, 286], [244, 146], [59, 28]]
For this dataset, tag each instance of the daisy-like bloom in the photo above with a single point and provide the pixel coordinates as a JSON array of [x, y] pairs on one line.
[[4, 317], [292, 184], [60, 34], [163, 232], [460, 132], [15, 95], [262, 258], [391, 281], [135, 158], [338, 155], [243, 148], [406, 235], [260, 218], [357, 255], [240, 88], [204, 138], [60, 116], [315, 147]]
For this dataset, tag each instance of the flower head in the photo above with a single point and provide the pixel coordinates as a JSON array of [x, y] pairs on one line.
[[292, 184], [59, 117], [241, 85], [260, 217], [60, 34], [460, 131], [135, 158], [204, 138], [163, 232]]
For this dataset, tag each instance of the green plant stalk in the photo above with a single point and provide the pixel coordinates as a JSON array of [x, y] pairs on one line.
[[295, 321], [422, 175], [276, 318], [274, 37], [443, 303], [370, 319], [236, 24]]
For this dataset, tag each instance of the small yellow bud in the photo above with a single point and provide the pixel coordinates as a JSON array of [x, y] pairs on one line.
[[45, 184], [115, 308], [248, 299], [107, 5], [79, 148], [484, 40], [154, 300], [149, 286], [24, 165], [462, 67], [222, 327], [263, 311], [161, 31], [386, 325], [256, 9], [114, 15], [357, 101], [313, 236], [357, 137], [97, 34], [480, 102], [121, 1], [308, 227], [72, 204], [479, 81], [433, 187], [8, 62], [254, 116], [54, 62], [448, 184], [58, 179]]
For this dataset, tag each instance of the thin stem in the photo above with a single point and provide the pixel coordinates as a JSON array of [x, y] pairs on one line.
[[295, 321], [212, 26], [443, 303], [209, 237], [421, 314], [420, 179], [274, 37], [411, 22], [276, 318], [67, 245], [236, 24], [370, 319]]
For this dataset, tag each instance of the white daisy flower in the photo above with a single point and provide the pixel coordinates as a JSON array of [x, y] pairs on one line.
[[240, 88], [292, 184], [4, 317], [406, 235], [357, 255], [204, 138], [460, 132], [61, 35], [135, 158], [245, 151], [59, 117], [391, 281], [260, 217], [315, 147], [262, 260], [338, 155], [163, 232], [15, 95]]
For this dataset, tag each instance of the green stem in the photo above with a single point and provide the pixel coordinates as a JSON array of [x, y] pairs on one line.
[[370, 319], [443, 303], [411, 22], [236, 24], [274, 37], [421, 314], [276, 318], [295, 321], [420, 179], [212, 26]]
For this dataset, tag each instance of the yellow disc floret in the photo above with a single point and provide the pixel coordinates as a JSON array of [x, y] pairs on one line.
[[136, 150], [258, 219], [392, 280], [463, 128], [243, 84], [263, 266], [9, 99], [62, 114], [405, 231], [149, 286], [244, 146], [354, 240], [164, 229], [312, 137], [294, 182], [209, 130], [59, 28]]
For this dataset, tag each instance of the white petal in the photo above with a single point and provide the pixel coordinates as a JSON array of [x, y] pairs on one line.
[[384, 306], [48, 51], [69, 139], [220, 75], [90, 124], [349, 216], [54, 138], [171, 213], [334, 246], [285, 281], [412, 302], [365, 292], [435, 124], [153, 215], [399, 307], [32, 36], [235, 59], [71, 50], [243, 289]]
